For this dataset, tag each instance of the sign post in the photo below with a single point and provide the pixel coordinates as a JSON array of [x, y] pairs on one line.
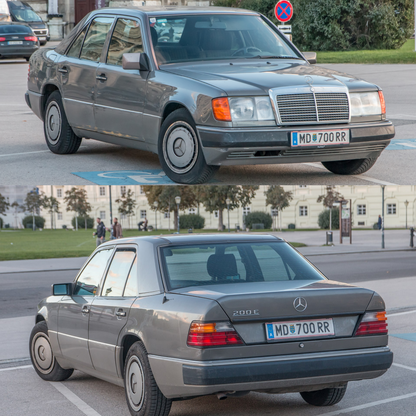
[[284, 12], [345, 223]]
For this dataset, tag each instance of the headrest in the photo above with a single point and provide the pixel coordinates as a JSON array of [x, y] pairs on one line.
[[222, 266]]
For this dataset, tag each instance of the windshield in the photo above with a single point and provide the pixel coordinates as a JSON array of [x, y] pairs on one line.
[[25, 15], [206, 37], [207, 264], [16, 29]]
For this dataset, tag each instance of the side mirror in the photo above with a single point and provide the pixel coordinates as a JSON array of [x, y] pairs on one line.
[[310, 57], [138, 61], [62, 289]]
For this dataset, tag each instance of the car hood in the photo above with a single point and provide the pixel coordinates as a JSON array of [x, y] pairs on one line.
[[257, 77], [268, 300]]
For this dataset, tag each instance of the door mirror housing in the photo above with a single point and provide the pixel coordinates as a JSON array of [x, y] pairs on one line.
[[62, 289], [310, 57], [138, 61]]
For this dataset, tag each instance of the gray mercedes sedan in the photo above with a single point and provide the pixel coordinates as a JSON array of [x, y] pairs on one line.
[[203, 88], [176, 317]]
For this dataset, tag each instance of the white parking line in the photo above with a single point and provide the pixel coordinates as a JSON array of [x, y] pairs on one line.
[[404, 366], [25, 153], [367, 405], [400, 313], [75, 400], [16, 368]]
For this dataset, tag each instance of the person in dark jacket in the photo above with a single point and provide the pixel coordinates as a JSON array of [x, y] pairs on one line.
[[379, 222], [100, 233]]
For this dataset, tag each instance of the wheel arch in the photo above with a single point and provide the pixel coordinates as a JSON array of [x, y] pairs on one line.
[[47, 90], [172, 106], [40, 318], [127, 341]]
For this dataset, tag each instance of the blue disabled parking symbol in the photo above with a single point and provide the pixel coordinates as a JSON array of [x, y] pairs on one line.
[[127, 177]]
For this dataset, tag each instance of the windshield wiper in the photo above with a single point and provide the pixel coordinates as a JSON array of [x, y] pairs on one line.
[[274, 57]]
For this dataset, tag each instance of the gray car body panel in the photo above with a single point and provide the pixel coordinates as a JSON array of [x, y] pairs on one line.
[[137, 113], [161, 318]]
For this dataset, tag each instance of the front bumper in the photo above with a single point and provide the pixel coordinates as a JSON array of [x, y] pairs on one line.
[[267, 145], [184, 378]]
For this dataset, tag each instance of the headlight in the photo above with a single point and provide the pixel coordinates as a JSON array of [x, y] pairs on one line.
[[243, 109], [366, 104]]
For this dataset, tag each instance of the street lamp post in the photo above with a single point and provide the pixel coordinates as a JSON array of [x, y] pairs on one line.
[[228, 202], [406, 203], [178, 201], [155, 204], [382, 216]]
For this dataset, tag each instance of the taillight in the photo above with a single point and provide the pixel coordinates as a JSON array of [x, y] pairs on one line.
[[373, 323], [382, 102], [221, 109], [203, 334], [2, 39], [31, 38]]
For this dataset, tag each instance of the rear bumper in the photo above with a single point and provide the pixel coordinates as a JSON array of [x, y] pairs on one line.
[[34, 101], [18, 52], [183, 378], [239, 146]]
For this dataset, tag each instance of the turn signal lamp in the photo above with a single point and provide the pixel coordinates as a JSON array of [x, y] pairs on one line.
[[382, 102], [373, 323], [211, 334], [221, 109]]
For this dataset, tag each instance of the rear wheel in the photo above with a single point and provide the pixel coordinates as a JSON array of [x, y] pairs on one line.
[[142, 393], [350, 167], [325, 397], [42, 356], [59, 135]]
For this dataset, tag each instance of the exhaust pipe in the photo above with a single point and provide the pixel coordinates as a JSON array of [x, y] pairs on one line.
[[221, 396]]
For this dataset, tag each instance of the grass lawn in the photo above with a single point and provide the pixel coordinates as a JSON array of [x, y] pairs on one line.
[[28, 244], [405, 55]]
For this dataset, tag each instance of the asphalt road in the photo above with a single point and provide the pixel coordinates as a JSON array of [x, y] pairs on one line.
[[24, 153]]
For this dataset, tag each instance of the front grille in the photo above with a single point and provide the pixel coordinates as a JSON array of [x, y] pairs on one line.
[[40, 32], [313, 108]]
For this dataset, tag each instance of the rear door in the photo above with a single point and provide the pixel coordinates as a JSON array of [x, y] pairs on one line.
[[110, 310]]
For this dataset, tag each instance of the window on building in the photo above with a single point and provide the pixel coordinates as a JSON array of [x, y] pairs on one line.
[[274, 212], [192, 211], [141, 191], [303, 211], [391, 209], [123, 189], [216, 214], [166, 215], [361, 209], [142, 213], [102, 215], [59, 193], [303, 186], [59, 216], [102, 190], [246, 210]]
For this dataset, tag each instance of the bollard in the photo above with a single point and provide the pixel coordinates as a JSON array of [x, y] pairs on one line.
[[412, 233], [329, 238]]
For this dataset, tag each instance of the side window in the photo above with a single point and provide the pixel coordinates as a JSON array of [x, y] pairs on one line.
[[132, 287], [94, 41], [89, 279], [76, 46], [118, 272], [126, 38], [271, 264]]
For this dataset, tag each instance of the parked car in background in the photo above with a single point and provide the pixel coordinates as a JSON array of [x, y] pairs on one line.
[[17, 40], [21, 11], [203, 88], [176, 317]]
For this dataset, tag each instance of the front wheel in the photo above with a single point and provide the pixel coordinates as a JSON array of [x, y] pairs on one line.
[[180, 153], [325, 397], [142, 393], [42, 356], [351, 167]]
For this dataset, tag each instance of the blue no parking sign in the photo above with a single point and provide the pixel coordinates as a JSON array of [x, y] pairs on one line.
[[283, 11]]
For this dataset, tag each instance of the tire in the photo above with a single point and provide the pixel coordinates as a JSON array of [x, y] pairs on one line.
[[180, 152], [27, 58], [142, 393], [325, 397], [351, 167], [42, 357], [59, 135]]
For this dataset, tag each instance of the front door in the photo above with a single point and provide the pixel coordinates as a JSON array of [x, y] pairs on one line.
[[74, 311], [120, 94], [110, 311]]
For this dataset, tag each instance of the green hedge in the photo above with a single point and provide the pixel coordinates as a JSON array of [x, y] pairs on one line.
[[81, 222], [194, 221], [28, 221], [323, 219], [258, 217]]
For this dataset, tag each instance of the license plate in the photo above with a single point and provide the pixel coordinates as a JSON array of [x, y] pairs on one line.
[[320, 138], [276, 331], [42, 37], [15, 42]]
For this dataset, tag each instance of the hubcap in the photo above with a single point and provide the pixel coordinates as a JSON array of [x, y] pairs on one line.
[[135, 386], [53, 122], [180, 147], [42, 353]]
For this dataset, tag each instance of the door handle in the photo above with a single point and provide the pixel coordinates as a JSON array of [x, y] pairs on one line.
[[101, 77], [63, 70], [85, 309], [120, 313]]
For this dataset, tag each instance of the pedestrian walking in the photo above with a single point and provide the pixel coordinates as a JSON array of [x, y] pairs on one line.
[[145, 224], [100, 233], [117, 230], [379, 222]]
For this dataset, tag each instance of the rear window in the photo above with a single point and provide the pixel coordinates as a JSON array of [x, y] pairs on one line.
[[10, 29], [207, 264]]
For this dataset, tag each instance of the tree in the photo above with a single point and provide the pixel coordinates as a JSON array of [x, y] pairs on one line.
[[51, 204], [278, 199], [34, 201], [214, 198], [76, 201], [4, 205], [127, 204], [328, 198], [165, 196]]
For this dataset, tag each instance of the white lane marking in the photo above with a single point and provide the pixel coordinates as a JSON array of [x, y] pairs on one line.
[[400, 313], [406, 144], [75, 400], [16, 368], [402, 116], [367, 405], [404, 366], [25, 153], [363, 177]]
